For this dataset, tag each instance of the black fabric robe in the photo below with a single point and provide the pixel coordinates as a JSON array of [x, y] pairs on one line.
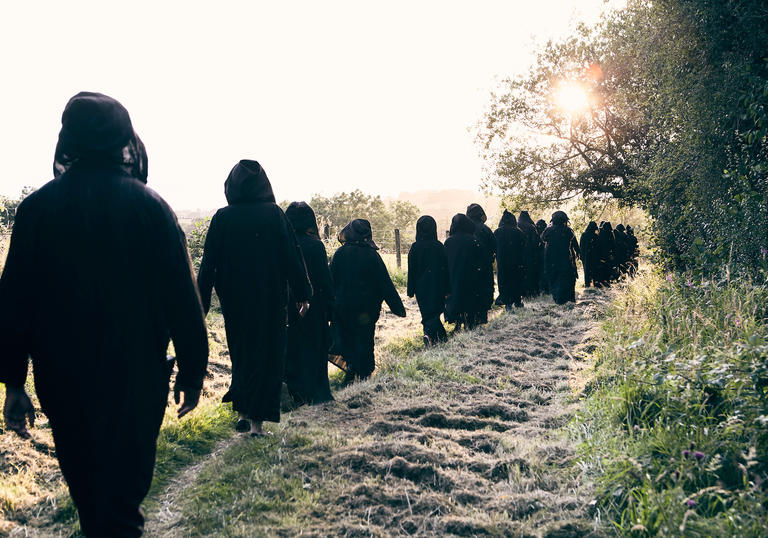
[[561, 252], [361, 282], [607, 249], [487, 241], [428, 277], [96, 281], [251, 256], [590, 254], [541, 225], [465, 258], [533, 246], [509, 260], [306, 361], [634, 251], [623, 250]]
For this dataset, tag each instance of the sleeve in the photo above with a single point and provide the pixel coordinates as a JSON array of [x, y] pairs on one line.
[[575, 245], [325, 282], [388, 290], [293, 260], [206, 276], [181, 304], [16, 288]]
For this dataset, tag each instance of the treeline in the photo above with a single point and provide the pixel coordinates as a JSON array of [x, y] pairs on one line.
[[675, 122]]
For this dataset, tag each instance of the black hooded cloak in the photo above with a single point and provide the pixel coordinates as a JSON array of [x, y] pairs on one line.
[[634, 250], [541, 225], [590, 253], [561, 252], [465, 259], [306, 363], [533, 246], [623, 249], [428, 276], [606, 242], [509, 260], [487, 241], [96, 281], [251, 257], [361, 282]]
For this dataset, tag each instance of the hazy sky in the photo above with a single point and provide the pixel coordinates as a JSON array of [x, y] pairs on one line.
[[327, 95]]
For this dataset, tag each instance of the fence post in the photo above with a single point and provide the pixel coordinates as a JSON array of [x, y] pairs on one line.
[[327, 231], [397, 247]]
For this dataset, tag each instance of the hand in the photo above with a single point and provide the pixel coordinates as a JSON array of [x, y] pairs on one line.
[[302, 308], [17, 409], [191, 398]]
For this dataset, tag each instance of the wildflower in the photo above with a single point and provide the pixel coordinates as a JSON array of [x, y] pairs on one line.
[[686, 453], [691, 503], [763, 251], [698, 455], [670, 277], [689, 282], [636, 428]]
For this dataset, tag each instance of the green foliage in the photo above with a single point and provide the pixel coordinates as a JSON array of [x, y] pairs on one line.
[[676, 124], [196, 241], [674, 428], [8, 208], [336, 212]]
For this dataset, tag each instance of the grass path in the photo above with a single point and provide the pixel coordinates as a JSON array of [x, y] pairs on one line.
[[464, 439]]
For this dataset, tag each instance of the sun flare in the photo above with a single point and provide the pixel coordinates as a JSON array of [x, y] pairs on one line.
[[571, 97]]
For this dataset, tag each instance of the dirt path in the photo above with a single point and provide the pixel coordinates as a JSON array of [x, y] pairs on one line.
[[463, 439]]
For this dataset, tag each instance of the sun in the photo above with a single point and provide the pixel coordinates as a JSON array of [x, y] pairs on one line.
[[571, 97]]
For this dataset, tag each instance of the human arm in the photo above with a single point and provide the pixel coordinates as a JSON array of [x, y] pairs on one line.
[[388, 290], [206, 276]]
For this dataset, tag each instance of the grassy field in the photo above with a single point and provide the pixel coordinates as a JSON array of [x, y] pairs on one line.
[[674, 429]]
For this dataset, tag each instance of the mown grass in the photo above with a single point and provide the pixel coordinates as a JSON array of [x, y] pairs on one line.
[[674, 428]]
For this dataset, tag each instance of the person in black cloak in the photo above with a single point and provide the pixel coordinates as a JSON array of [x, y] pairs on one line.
[[96, 281], [509, 260], [251, 257], [541, 225], [465, 260], [306, 361], [623, 253], [533, 246], [361, 282], [487, 241], [607, 250], [635, 252], [590, 254], [428, 278], [561, 253]]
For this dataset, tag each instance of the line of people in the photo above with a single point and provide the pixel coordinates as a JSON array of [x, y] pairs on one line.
[[98, 281]]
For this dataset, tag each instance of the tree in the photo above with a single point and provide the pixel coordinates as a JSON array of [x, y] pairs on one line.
[[8, 208], [670, 95]]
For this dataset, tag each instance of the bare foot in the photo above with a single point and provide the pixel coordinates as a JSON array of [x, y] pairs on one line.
[[256, 429]]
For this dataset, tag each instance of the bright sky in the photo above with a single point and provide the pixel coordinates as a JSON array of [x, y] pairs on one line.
[[328, 95]]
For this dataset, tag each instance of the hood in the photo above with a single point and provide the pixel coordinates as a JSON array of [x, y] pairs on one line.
[[507, 219], [592, 226], [619, 227], [426, 229], [630, 230], [96, 128], [606, 226], [248, 183], [302, 218], [559, 217], [358, 232], [462, 224], [476, 213], [541, 225], [525, 218]]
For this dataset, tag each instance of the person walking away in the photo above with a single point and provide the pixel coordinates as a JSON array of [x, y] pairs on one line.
[[590, 254], [251, 257], [623, 250], [561, 253], [607, 250], [465, 258], [533, 246], [541, 225], [361, 282], [428, 279], [487, 241], [635, 252], [96, 281], [306, 357], [509, 260]]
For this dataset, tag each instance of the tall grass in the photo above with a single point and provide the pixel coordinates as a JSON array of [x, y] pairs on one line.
[[674, 428]]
